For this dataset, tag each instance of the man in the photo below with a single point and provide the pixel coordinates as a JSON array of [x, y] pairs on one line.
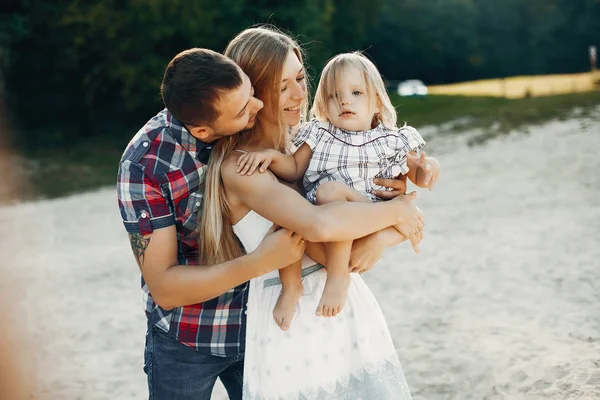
[[196, 320]]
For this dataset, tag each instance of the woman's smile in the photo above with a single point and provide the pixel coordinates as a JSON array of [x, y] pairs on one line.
[[294, 109]]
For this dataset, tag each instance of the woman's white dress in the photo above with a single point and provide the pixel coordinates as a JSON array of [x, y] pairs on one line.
[[350, 356]]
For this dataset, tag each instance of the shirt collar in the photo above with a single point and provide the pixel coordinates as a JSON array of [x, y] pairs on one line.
[[197, 148]]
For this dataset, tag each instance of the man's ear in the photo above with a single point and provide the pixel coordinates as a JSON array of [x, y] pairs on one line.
[[202, 133]]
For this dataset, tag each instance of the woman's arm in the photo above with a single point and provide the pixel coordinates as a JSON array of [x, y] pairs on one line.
[[325, 223]]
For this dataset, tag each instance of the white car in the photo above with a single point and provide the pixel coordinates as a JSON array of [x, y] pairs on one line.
[[412, 87]]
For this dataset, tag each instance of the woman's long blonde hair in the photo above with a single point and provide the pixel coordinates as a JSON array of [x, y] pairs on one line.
[[261, 52], [372, 81]]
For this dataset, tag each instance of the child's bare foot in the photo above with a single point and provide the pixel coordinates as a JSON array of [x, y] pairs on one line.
[[334, 295], [286, 306]]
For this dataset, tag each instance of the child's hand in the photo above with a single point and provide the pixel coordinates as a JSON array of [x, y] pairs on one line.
[[248, 162], [427, 170], [434, 169]]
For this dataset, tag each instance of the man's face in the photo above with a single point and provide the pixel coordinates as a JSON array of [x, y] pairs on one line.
[[237, 110]]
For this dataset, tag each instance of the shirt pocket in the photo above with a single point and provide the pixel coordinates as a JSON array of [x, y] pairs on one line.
[[186, 199], [192, 210]]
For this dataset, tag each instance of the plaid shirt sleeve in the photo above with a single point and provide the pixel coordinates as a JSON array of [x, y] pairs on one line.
[[409, 139], [307, 134], [143, 204]]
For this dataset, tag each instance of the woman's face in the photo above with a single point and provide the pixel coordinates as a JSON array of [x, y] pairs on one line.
[[292, 93]]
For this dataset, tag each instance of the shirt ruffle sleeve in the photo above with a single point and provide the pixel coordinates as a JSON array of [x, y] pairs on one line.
[[309, 134], [406, 140]]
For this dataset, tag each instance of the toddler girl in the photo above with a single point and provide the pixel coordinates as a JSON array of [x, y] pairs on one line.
[[351, 140]]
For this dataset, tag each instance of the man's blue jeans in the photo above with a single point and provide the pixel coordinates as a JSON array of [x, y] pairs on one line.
[[178, 372]]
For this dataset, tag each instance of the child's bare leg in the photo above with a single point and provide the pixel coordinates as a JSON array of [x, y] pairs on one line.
[[338, 278], [329, 192], [337, 253], [291, 290]]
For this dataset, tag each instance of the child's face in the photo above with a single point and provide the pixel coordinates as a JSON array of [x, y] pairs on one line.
[[351, 108]]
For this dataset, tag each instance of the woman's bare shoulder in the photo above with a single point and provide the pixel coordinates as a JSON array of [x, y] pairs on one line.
[[229, 167], [233, 180]]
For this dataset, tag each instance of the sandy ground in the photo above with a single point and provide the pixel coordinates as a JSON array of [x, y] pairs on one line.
[[502, 303]]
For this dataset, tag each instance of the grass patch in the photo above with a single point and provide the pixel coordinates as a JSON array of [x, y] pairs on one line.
[[55, 172]]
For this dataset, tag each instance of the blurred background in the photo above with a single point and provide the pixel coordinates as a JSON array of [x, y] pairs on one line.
[[502, 302], [80, 77]]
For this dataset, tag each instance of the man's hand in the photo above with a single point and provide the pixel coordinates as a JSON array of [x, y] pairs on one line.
[[280, 249], [398, 186]]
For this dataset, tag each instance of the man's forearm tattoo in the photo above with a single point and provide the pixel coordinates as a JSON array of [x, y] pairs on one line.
[[139, 244]]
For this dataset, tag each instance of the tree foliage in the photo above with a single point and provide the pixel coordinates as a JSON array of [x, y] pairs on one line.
[[79, 68]]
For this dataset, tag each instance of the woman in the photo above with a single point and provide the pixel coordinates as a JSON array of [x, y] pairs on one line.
[[350, 356]]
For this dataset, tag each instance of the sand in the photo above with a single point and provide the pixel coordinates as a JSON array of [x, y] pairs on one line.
[[502, 303]]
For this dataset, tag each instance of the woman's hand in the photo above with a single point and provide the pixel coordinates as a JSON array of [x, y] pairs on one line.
[[248, 162], [412, 222]]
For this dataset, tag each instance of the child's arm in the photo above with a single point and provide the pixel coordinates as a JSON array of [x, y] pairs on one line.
[[423, 171], [288, 167]]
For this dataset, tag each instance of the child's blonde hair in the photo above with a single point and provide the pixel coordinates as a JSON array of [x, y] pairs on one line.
[[371, 79]]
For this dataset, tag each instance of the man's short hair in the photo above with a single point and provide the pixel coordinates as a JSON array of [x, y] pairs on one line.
[[194, 81]]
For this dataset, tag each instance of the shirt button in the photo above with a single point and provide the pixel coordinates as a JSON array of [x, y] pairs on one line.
[[143, 215], [145, 144], [197, 204]]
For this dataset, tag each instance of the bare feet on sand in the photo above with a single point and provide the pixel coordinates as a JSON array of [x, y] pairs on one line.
[[334, 295], [286, 306]]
